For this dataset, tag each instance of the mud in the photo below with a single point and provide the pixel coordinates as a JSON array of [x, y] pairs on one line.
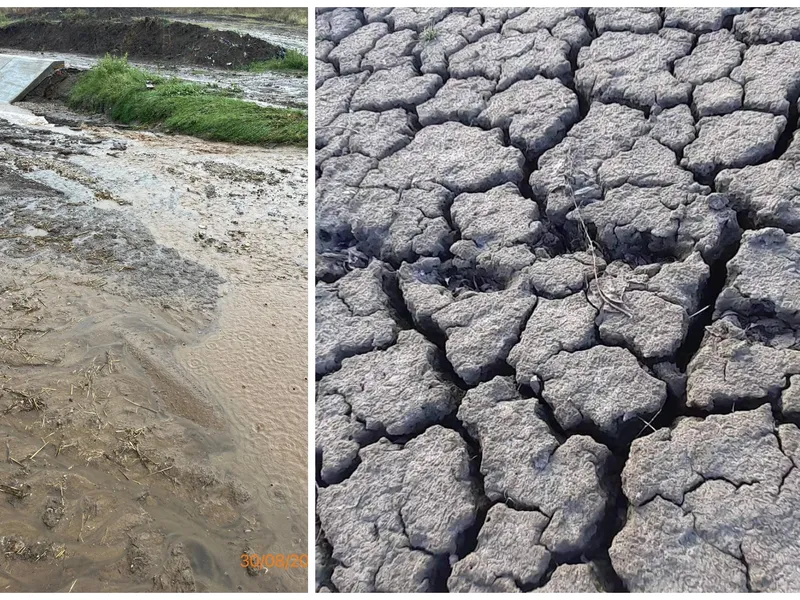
[[280, 34], [146, 38], [152, 360]]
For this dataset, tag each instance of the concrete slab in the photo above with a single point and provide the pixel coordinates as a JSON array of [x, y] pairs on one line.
[[20, 74]]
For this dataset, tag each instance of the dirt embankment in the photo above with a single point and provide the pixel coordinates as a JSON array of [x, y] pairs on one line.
[[144, 39]]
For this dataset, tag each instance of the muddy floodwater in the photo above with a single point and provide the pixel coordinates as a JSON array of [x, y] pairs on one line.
[[153, 344]]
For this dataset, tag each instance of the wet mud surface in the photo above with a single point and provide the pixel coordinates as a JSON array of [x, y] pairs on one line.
[[152, 360], [558, 287]]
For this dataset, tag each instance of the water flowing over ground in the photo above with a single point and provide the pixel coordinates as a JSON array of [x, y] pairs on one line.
[[153, 358]]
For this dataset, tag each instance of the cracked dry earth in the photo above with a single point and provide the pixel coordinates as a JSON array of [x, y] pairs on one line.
[[558, 299]]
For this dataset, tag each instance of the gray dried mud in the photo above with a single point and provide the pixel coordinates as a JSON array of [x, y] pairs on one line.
[[153, 344], [558, 288]]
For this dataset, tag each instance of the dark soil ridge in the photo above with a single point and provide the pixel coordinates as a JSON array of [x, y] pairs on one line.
[[146, 39], [59, 13], [74, 13]]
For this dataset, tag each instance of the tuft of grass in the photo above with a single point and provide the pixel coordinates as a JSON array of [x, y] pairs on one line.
[[293, 61], [429, 34], [614, 304], [130, 95], [4, 20]]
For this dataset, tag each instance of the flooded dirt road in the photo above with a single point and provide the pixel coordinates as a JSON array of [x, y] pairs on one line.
[[288, 36], [153, 331]]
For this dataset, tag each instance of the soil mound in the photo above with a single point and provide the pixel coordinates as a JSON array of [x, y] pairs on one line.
[[145, 39]]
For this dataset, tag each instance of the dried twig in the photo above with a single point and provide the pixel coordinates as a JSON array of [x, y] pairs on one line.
[[32, 456], [694, 314], [26, 400], [80, 532], [17, 492], [161, 471], [140, 406], [613, 303], [649, 423]]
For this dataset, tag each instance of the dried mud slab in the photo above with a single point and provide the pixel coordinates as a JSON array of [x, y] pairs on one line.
[[146, 38], [581, 577], [509, 556], [409, 517], [526, 464], [602, 388], [498, 229], [588, 217], [634, 68], [354, 316], [714, 499], [536, 113], [396, 391], [749, 136], [457, 157]]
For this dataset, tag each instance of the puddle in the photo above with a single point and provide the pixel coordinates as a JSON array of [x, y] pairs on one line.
[[20, 116]]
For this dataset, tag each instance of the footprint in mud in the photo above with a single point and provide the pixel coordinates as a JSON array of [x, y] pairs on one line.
[[202, 561], [177, 574], [53, 511]]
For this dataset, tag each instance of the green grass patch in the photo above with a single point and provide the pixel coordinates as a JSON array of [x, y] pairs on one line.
[[429, 33], [130, 95], [4, 20], [293, 61]]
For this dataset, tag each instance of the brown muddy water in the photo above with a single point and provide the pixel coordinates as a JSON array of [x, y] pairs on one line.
[[153, 360]]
